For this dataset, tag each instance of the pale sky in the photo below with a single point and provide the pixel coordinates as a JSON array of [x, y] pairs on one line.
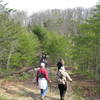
[[31, 6]]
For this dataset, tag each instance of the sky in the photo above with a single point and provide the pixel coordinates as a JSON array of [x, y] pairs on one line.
[[31, 6]]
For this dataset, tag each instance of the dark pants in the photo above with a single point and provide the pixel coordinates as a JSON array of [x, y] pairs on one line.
[[62, 89]]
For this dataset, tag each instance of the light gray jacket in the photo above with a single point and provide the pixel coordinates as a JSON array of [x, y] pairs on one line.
[[63, 76]]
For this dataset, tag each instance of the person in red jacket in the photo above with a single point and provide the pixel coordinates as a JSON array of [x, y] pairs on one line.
[[42, 80]]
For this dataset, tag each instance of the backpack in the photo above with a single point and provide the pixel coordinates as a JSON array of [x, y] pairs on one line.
[[41, 75], [61, 79]]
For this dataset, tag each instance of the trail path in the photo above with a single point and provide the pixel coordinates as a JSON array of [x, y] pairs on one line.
[[28, 91]]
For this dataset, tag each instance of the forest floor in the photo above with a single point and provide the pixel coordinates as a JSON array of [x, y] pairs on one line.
[[27, 90], [80, 89]]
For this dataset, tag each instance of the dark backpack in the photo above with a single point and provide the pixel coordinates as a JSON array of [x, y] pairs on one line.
[[41, 75]]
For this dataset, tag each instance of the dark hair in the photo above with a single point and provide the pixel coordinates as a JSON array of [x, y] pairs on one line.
[[59, 65]]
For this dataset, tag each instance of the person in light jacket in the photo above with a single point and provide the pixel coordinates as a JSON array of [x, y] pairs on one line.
[[62, 77]]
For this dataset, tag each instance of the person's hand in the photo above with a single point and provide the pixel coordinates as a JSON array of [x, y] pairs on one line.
[[50, 81], [71, 81]]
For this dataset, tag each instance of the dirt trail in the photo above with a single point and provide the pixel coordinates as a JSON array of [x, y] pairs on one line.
[[29, 91]]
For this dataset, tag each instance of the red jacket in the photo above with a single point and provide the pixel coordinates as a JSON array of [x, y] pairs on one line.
[[43, 71]]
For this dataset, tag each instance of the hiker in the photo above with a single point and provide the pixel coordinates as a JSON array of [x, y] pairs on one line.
[[43, 58], [60, 63], [62, 76], [42, 80]]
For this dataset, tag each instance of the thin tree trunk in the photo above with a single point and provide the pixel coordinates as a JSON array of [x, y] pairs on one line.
[[9, 56]]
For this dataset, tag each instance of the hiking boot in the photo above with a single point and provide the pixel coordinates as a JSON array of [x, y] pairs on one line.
[[42, 98]]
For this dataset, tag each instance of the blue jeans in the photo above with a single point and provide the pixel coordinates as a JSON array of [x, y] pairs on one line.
[[44, 91]]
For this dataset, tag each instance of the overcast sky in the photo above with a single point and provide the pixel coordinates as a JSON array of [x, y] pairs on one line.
[[31, 6]]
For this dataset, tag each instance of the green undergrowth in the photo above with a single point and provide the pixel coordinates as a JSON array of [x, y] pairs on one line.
[[20, 77], [4, 71], [78, 94], [85, 74], [79, 98], [3, 97]]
